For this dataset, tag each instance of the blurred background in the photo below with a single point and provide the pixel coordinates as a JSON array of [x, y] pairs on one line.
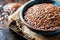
[[9, 1], [6, 5], [5, 34]]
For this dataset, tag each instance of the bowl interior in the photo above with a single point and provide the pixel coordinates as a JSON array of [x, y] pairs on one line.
[[29, 4]]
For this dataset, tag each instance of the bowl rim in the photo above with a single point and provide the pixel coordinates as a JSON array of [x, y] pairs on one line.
[[29, 26]]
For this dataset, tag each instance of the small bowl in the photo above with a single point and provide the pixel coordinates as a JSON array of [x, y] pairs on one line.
[[31, 3]]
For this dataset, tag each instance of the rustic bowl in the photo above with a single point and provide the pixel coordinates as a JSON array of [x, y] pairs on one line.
[[31, 3]]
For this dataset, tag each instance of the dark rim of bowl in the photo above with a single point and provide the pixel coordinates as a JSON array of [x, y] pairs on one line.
[[25, 7]]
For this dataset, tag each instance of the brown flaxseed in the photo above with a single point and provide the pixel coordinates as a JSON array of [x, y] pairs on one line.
[[43, 16]]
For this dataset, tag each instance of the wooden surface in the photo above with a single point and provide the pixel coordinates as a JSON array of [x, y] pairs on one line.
[[30, 35]]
